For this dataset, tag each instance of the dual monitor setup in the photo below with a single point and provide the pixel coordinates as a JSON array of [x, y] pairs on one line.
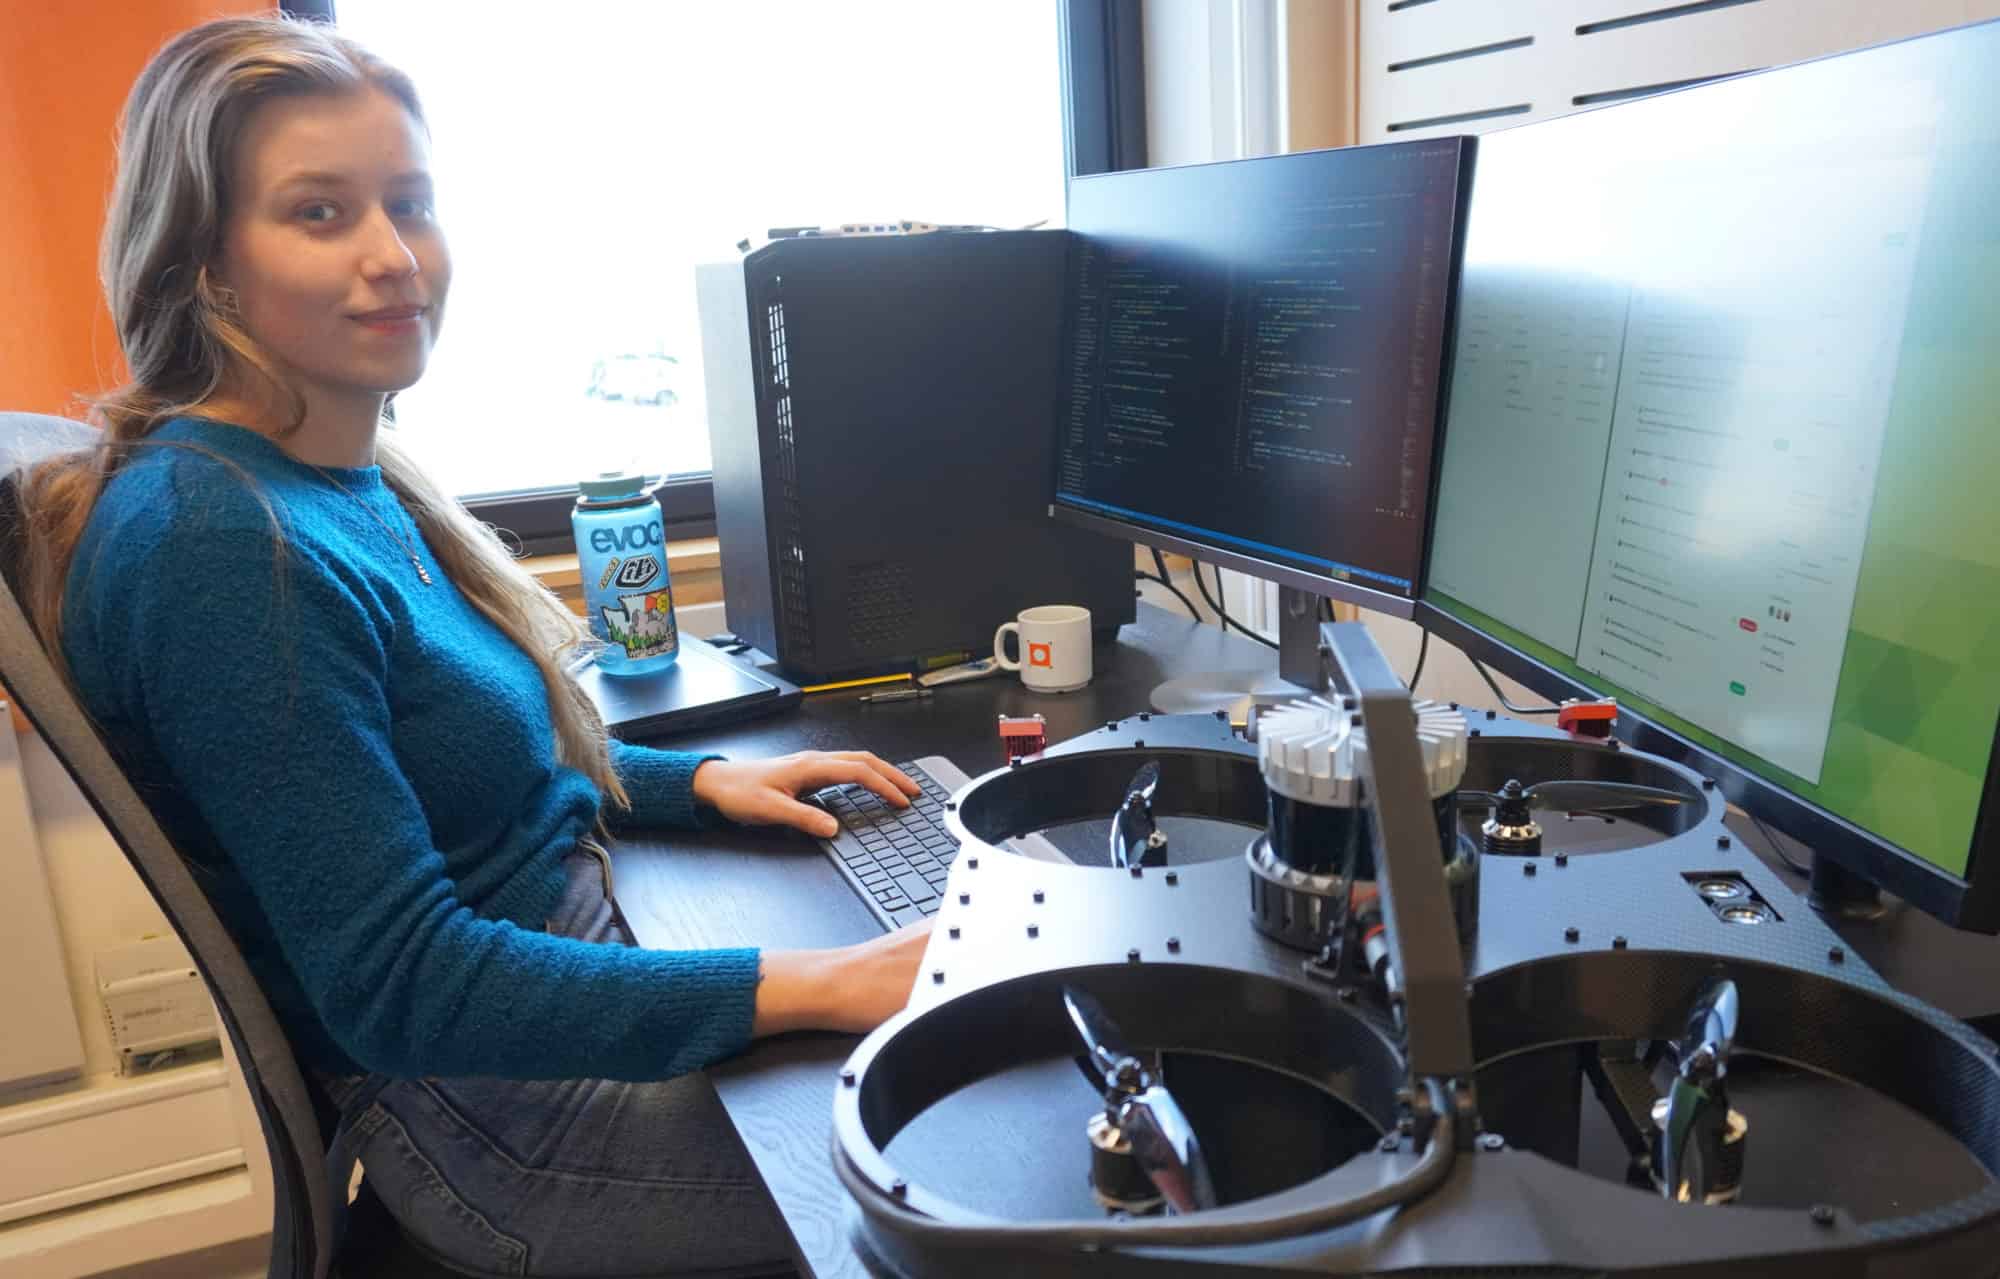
[[1687, 401]]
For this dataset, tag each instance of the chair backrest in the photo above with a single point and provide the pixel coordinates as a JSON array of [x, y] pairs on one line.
[[302, 1232]]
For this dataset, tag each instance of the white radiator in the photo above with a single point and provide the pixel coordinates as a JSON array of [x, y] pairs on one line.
[[39, 1039]]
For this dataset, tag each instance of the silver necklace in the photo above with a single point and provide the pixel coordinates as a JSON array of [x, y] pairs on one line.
[[423, 574]]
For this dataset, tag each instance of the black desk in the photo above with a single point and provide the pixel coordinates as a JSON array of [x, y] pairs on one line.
[[775, 889]]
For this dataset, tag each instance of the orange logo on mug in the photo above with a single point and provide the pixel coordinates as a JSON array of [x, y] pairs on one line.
[[1038, 655]]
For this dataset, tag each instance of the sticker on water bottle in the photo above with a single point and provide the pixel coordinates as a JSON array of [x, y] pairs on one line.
[[639, 571], [643, 625]]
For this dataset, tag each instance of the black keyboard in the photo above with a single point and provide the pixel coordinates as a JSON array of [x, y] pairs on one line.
[[896, 858]]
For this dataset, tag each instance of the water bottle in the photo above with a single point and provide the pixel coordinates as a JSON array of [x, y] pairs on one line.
[[621, 552]]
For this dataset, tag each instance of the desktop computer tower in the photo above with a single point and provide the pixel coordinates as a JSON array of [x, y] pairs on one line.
[[881, 411]]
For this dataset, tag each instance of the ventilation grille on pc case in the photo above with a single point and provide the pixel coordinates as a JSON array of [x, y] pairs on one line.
[[796, 613], [880, 603]]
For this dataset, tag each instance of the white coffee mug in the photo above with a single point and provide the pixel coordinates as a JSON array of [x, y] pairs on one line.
[[1055, 647]]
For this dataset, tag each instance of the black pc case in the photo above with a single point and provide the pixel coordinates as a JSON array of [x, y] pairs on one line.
[[881, 410]]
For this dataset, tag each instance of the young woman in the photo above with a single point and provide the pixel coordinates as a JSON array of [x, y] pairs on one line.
[[349, 706]]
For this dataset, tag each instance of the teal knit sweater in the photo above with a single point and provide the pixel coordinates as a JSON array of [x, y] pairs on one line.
[[361, 770]]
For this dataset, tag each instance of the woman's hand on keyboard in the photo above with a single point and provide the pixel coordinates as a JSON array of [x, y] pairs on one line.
[[854, 988], [764, 792]]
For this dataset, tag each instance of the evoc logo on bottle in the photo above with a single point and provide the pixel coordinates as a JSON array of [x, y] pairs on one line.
[[632, 537], [638, 571]]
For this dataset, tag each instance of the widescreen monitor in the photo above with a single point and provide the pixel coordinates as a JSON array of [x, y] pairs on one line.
[[1722, 436]]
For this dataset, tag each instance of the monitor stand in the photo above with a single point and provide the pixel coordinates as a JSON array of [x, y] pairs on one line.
[[1236, 691], [1839, 893]]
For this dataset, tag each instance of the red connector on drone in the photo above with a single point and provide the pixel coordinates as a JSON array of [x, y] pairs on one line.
[[1023, 735], [1588, 719]]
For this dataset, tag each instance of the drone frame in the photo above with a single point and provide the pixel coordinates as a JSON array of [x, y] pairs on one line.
[[1561, 959]]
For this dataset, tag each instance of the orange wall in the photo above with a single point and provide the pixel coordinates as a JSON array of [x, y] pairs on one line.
[[65, 67]]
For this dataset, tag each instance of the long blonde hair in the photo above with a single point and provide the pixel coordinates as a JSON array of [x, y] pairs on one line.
[[181, 338]]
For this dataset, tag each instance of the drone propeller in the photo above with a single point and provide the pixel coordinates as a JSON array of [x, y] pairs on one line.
[[1144, 1112], [1574, 797], [1135, 840], [1691, 1159]]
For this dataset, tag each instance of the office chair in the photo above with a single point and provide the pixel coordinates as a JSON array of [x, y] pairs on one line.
[[315, 1234]]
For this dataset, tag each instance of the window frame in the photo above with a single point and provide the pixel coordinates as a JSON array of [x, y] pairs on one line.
[[1104, 126]]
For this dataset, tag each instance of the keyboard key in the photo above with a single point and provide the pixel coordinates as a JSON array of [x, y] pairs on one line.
[[916, 888]]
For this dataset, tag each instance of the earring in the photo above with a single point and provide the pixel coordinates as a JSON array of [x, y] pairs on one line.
[[219, 298]]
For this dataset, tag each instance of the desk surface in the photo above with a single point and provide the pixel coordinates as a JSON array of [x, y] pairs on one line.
[[775, 889]]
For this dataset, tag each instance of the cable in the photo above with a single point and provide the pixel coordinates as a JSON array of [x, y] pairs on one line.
[[1423, 651], [1776, 847], [1175, 590], [1167, 580], [1480, 666], [1426, 1175], [1201, 584], [1227, 621]]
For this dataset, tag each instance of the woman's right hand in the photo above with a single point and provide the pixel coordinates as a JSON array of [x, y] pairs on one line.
[[855, 988]]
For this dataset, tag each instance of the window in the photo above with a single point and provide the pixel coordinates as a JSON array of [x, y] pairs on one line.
[[586, 165]]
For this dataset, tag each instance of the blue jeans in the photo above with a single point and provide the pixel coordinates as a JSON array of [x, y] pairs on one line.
[[573, 1177]]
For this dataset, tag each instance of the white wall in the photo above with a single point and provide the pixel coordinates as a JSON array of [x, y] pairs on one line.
[[42, 1044], [1543, 55]]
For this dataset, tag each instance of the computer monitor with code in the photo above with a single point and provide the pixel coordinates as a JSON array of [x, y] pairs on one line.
[[1252, 356]]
